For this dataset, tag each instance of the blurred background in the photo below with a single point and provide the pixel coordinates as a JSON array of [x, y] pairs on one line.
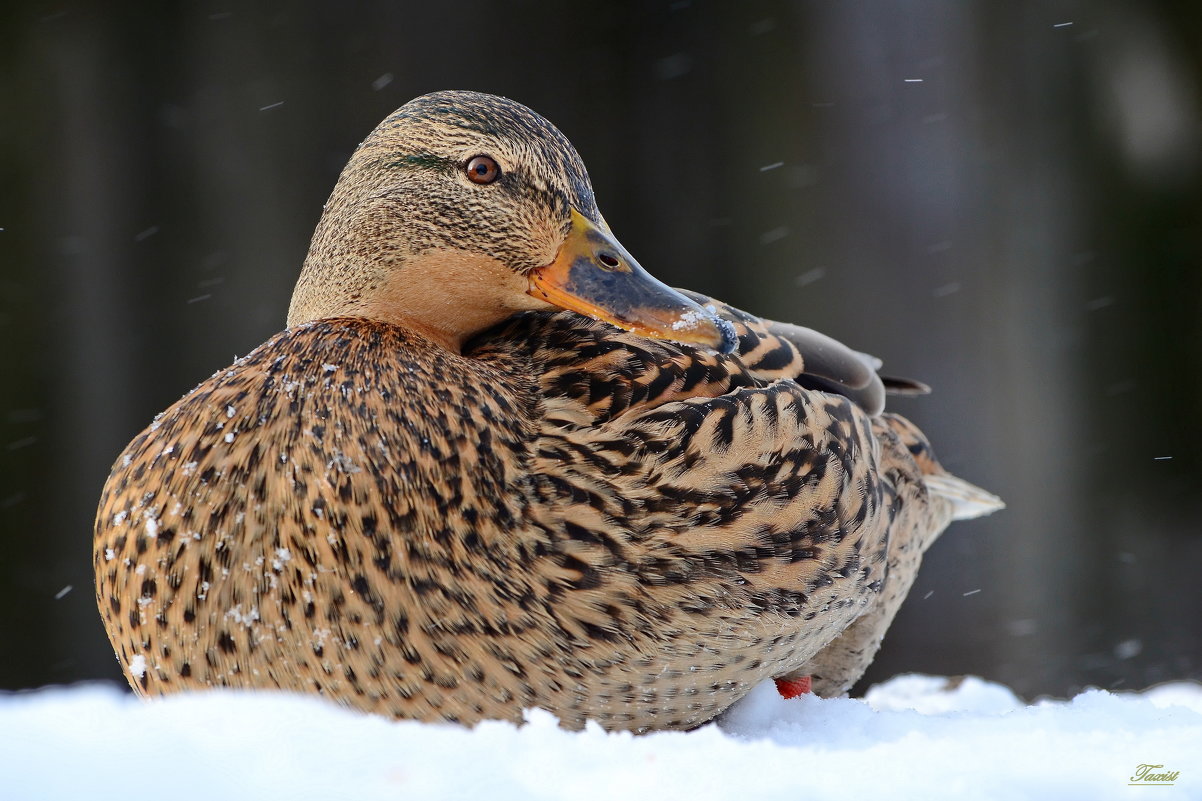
[[1000, 199]]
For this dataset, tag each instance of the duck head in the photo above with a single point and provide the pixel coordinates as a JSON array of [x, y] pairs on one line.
[[462, 209]]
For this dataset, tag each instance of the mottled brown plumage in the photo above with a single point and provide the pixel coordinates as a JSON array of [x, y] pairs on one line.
[[436, 497]]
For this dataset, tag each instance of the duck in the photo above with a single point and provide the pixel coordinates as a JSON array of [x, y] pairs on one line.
[[492, 464]]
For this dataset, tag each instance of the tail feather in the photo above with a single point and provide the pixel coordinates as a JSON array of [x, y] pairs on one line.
[[968, 500], [904, 386]]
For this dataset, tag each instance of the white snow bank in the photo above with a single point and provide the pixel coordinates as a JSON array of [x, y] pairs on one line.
[[917, 737]]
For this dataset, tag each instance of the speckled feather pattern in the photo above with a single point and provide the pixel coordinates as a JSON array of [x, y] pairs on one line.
[[434, 498], [577, 518]]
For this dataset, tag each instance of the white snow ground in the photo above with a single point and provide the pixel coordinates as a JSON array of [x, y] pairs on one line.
[[914, 737]]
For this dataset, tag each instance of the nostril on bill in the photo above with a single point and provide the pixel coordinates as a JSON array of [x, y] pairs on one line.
[[608, 259]]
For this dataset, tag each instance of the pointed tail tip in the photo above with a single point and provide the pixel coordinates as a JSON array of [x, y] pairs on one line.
[[968, 500]]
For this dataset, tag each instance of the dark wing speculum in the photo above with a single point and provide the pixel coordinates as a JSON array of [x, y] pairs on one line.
[[815, 361]]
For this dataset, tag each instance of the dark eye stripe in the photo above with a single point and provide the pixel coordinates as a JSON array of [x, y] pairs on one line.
[[424, 160]]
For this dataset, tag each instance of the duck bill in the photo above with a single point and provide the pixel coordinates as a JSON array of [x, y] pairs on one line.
[[594, 275]]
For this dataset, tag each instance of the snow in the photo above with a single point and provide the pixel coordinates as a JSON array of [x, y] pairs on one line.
[[690, 319], [920, 737], [282, 555], [695, 317]]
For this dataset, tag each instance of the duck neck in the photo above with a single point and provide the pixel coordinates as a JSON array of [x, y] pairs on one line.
[[449, 296], [444, 294]]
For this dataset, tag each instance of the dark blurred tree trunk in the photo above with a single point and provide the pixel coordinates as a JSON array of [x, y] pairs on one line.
[[984, 195]]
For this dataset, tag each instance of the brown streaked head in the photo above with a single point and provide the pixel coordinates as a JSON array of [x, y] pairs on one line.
[[461, 209]]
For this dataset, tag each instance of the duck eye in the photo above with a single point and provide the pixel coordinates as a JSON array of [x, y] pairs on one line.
[[483, 170]]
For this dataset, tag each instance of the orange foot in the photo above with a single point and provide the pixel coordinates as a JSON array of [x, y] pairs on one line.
[[791, 688]]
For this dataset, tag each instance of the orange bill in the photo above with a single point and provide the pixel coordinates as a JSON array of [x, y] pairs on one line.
[[594, 275]]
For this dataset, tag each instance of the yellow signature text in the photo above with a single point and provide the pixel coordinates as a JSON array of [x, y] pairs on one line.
[[1147, 774]]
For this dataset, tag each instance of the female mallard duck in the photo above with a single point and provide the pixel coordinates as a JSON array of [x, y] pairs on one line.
[[437, 495]]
